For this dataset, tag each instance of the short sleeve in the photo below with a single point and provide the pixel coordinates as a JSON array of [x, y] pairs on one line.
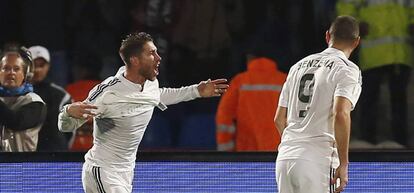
[[348, 84], [284, 95]]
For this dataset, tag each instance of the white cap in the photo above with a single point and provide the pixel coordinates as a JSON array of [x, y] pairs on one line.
[[40, 52]]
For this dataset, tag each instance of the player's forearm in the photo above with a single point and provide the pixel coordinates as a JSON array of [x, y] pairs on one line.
[[342, 125], [280, 125], [175, 95], [281, 119]]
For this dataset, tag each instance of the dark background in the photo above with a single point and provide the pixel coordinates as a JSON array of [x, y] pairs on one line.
[[197, 39]]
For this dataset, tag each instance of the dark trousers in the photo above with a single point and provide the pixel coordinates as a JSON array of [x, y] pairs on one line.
[[397, 77]]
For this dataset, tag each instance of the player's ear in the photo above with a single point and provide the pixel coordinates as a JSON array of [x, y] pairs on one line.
[[327, 37], [133, 60], [356, 42]]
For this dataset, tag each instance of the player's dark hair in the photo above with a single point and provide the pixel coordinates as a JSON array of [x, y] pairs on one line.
[[132, 45], [344, 29]]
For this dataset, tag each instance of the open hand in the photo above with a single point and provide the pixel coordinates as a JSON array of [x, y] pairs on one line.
[[81, 110], [210, 88]]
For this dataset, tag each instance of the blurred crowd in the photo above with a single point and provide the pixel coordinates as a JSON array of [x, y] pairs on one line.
[[74, 45]]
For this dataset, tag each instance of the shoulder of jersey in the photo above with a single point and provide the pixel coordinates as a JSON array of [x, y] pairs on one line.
[[109, 83], [343, 62]]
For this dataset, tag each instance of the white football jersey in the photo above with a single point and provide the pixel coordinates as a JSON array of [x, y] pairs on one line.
[[124, 111], [308, 94]]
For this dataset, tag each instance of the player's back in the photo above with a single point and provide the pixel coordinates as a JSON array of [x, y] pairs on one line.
[[308, 95]]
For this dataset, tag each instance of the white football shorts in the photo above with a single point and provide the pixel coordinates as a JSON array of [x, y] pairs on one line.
[[302, 176], [98, 180]]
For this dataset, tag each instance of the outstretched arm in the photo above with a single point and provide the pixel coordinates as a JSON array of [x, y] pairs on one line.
[[207, 88]]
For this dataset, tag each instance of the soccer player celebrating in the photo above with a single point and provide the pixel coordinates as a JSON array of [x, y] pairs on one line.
[[121, 107]]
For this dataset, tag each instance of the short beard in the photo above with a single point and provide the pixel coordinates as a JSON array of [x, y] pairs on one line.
[[147, 75]]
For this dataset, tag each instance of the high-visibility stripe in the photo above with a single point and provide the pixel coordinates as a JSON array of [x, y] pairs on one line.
[[380, 2], [384, 40], [97, 174], [261, 87], [226, 128], [350, 1], [359, 3], [225, 146]]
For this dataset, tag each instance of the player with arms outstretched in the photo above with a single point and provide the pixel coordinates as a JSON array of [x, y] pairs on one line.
[[122, 107]]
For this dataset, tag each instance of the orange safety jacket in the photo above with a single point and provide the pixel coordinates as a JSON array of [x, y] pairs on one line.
[[246, 111], [83, 138]]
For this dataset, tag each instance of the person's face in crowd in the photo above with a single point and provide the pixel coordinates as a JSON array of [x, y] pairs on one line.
[[149, 61], [41, 69], [11, 71]]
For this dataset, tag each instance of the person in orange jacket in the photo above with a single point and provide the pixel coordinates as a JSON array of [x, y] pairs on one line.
[[245, 113], [88, 73]]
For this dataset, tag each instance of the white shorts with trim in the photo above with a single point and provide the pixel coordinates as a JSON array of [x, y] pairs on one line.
[[302, 176], [98, 180]]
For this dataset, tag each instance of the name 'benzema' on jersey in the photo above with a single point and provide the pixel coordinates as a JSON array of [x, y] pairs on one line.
[[316, 63]]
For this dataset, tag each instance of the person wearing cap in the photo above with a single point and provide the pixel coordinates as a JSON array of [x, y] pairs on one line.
[[55, 97]]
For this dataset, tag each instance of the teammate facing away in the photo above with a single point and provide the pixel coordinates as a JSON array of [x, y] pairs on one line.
[[122, 106], [313, 116]]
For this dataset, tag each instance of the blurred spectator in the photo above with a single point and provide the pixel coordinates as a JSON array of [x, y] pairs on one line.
[[22, 112], [87, 79], [385, 54], [245, 114], [55, 97]]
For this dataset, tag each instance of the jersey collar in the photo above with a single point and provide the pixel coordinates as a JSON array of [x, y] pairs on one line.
[[128, 83], [335, 51]]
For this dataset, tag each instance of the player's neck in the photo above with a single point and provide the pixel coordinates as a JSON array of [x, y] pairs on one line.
[[135, 78], [344, 48]]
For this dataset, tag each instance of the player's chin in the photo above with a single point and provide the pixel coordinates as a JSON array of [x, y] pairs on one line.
[[152, 78], [154, 75]]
